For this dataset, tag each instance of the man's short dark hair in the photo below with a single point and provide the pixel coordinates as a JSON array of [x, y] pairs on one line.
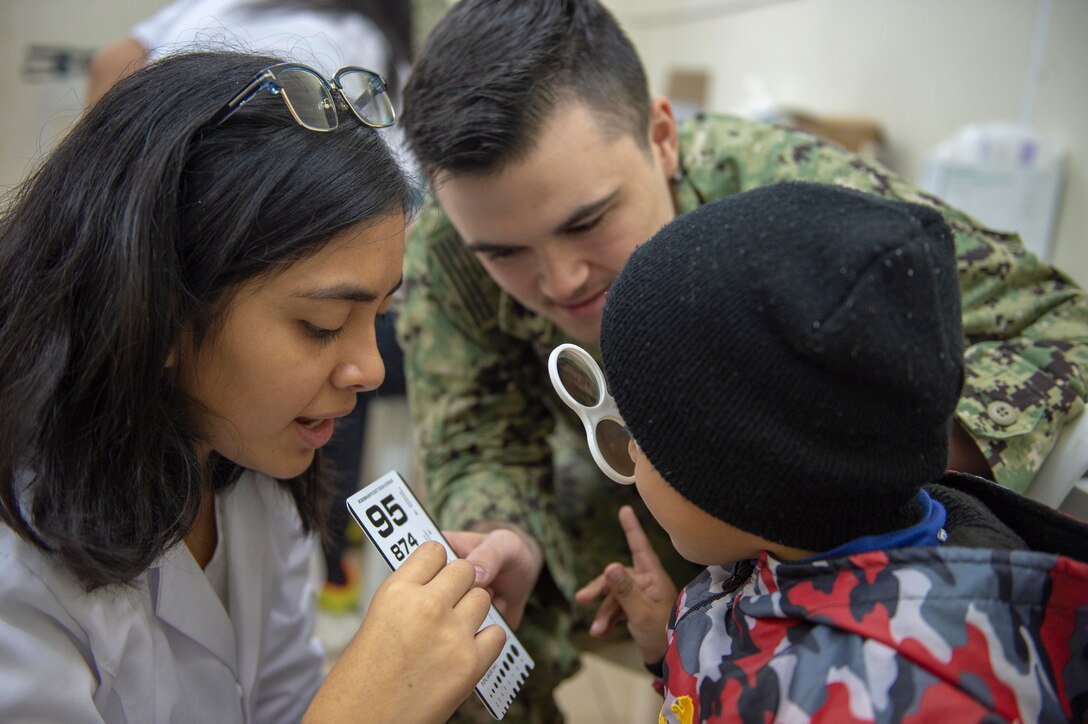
[[492, 72]]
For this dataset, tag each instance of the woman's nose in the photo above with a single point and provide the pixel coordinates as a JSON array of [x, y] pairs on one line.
[[361, 370]]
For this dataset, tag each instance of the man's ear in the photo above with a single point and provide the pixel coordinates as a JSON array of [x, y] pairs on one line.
[[171, 358], [664, 137]]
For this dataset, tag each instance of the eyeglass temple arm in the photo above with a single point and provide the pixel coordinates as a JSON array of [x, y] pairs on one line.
[[244, 96]]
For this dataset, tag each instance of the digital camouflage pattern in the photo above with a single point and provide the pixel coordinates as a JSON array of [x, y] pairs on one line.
[[907, 635], [1025, 324], [495, 443]]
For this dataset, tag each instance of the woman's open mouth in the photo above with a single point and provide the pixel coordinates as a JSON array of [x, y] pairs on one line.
[[315, 432]]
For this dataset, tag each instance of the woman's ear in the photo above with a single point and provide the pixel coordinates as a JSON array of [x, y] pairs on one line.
[[184, 343], [632, 450]]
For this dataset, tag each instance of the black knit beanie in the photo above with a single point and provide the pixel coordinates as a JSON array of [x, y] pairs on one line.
[[790, 358]]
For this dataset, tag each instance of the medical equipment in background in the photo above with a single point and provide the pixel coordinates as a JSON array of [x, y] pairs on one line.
[[1006, 175]]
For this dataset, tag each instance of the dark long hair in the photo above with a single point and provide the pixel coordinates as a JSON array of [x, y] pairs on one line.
[[392, 17], [141, 223]]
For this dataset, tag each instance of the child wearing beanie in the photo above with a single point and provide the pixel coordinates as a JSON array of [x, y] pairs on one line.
[[787, 362]]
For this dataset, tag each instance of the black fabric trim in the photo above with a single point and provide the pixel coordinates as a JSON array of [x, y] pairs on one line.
[[971, 524], [658, 669], [1040, 527]]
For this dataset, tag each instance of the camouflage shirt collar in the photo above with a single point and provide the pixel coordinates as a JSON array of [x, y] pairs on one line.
[[517, 321]]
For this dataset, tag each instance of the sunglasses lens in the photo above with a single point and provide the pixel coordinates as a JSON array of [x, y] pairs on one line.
[[308, 98], [612, 439], [579, 383], [367, 95]]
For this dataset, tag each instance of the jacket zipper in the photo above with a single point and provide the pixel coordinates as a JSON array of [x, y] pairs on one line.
[[741, 574]]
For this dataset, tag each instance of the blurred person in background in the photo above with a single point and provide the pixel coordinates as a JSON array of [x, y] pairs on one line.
[[327, 34]]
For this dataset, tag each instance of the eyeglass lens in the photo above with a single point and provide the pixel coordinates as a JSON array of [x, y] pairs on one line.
[[579, 383], [308, 97], [366, 94], [612, 439]]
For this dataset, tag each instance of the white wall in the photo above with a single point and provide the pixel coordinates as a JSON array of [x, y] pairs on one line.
[[921, 68], [33, 114]]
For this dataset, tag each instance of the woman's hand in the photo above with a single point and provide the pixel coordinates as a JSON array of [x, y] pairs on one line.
[[417, 655], [642, 593]]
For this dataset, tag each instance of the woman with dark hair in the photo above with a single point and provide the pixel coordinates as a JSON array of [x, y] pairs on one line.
[[327, 34], [188, 288]]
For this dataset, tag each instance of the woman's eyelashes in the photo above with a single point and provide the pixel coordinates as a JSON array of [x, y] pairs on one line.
[[326, 335], [322, 334]]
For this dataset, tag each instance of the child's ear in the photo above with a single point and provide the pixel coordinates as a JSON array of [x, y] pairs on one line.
[[632, 450]]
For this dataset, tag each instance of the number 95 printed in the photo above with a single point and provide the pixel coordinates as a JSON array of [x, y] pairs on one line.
[[393, 520], [386, 515]]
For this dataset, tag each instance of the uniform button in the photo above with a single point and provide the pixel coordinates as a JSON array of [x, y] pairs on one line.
[[1002, 413]]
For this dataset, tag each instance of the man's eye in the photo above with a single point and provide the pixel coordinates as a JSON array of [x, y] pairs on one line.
[[321, 334], [499, 253], [586, 225]]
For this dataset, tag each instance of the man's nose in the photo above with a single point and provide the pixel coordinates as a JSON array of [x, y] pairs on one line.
[[563, 272]]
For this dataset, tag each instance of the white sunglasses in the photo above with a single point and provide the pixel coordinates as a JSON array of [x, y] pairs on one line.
[[578, 379]]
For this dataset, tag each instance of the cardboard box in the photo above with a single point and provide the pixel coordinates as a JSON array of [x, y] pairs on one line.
[[860, 135]]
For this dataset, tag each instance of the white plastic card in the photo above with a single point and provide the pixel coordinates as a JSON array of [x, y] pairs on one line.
[[396, 523]]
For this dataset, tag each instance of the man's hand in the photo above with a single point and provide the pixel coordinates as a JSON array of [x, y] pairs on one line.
[[508, 562], [643, 593], [417, 655]]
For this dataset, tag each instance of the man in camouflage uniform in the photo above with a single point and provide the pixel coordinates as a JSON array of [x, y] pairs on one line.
[[550, 163]]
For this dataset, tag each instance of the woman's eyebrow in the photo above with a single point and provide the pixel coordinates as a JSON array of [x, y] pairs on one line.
[[346, 291]]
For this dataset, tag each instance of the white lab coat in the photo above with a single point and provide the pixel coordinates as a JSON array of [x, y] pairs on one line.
[[165, 649]]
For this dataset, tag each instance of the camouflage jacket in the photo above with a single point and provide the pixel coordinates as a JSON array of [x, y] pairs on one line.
[[487, 421], [911, 634]]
